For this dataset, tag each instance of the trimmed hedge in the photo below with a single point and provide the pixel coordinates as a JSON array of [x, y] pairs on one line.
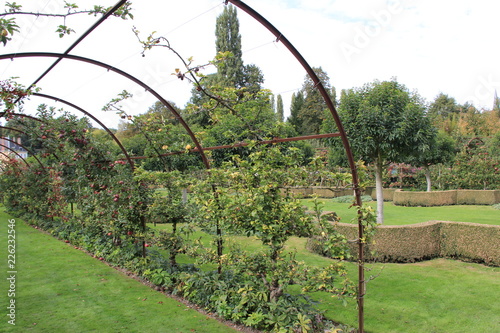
[[434, 239], [408, 198], [436, 198], [388, 193], [444, 198], [478, 197]]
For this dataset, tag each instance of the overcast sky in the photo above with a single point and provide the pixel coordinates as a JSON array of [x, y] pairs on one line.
[[430, 46]]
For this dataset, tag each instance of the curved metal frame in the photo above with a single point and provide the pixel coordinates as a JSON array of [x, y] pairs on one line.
[[11, 158], [22, 132], [200, 149], [124, 151], [20, 145], [355, 178], [124, 74], [15, 152]]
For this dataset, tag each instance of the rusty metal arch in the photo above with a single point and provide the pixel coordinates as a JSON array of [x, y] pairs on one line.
[[14, 129], [13, 159], [20, 145], [124, 74], [22, 132], [355, 178], [200, 149], [22, 115], [1, 164], [88, 114], [15, 152]]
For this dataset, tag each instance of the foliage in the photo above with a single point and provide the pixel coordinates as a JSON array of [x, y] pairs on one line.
[[12, 94], [280, 113], [9, 26], [333, 243], [111, 202], [443, 106], [245, 198], [295, 107], [475, 156], [308, 115], [169, 206], [441, 150]]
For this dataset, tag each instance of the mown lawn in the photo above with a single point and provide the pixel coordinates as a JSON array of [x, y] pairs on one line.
[[62, 289], [399, 215], [440, 296]]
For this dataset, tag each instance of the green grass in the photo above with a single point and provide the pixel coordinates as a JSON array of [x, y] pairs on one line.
[[438, 296], [62, 289], [400, 215]]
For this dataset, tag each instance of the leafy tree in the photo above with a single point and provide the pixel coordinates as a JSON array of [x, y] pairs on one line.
[[385, 122], [334, 97], [494, 145], [158, 134], [295, 107], [442, 149], [475, 167], [311, 114], [249, 119], [443, 106]]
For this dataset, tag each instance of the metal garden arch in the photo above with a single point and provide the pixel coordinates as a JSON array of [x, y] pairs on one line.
[[199, 148]]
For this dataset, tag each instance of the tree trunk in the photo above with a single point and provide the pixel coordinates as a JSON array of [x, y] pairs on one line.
[[428, 178], [379, 191]]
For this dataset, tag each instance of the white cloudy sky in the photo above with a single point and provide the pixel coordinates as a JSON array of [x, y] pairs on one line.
[[430, 46]]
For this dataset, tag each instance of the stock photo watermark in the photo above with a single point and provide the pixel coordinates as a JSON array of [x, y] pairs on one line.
[[11, 272], [364, 34], [486, 87]]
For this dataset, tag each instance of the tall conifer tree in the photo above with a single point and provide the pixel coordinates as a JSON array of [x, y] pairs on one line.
[[279, 108], [230, 73]]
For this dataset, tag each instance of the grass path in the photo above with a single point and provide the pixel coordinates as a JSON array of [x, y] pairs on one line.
[[62, 289]]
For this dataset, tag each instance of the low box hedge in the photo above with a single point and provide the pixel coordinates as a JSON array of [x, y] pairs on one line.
[[411, 243], [437, 198], [445, 198], [478, 197], [408, 198]]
